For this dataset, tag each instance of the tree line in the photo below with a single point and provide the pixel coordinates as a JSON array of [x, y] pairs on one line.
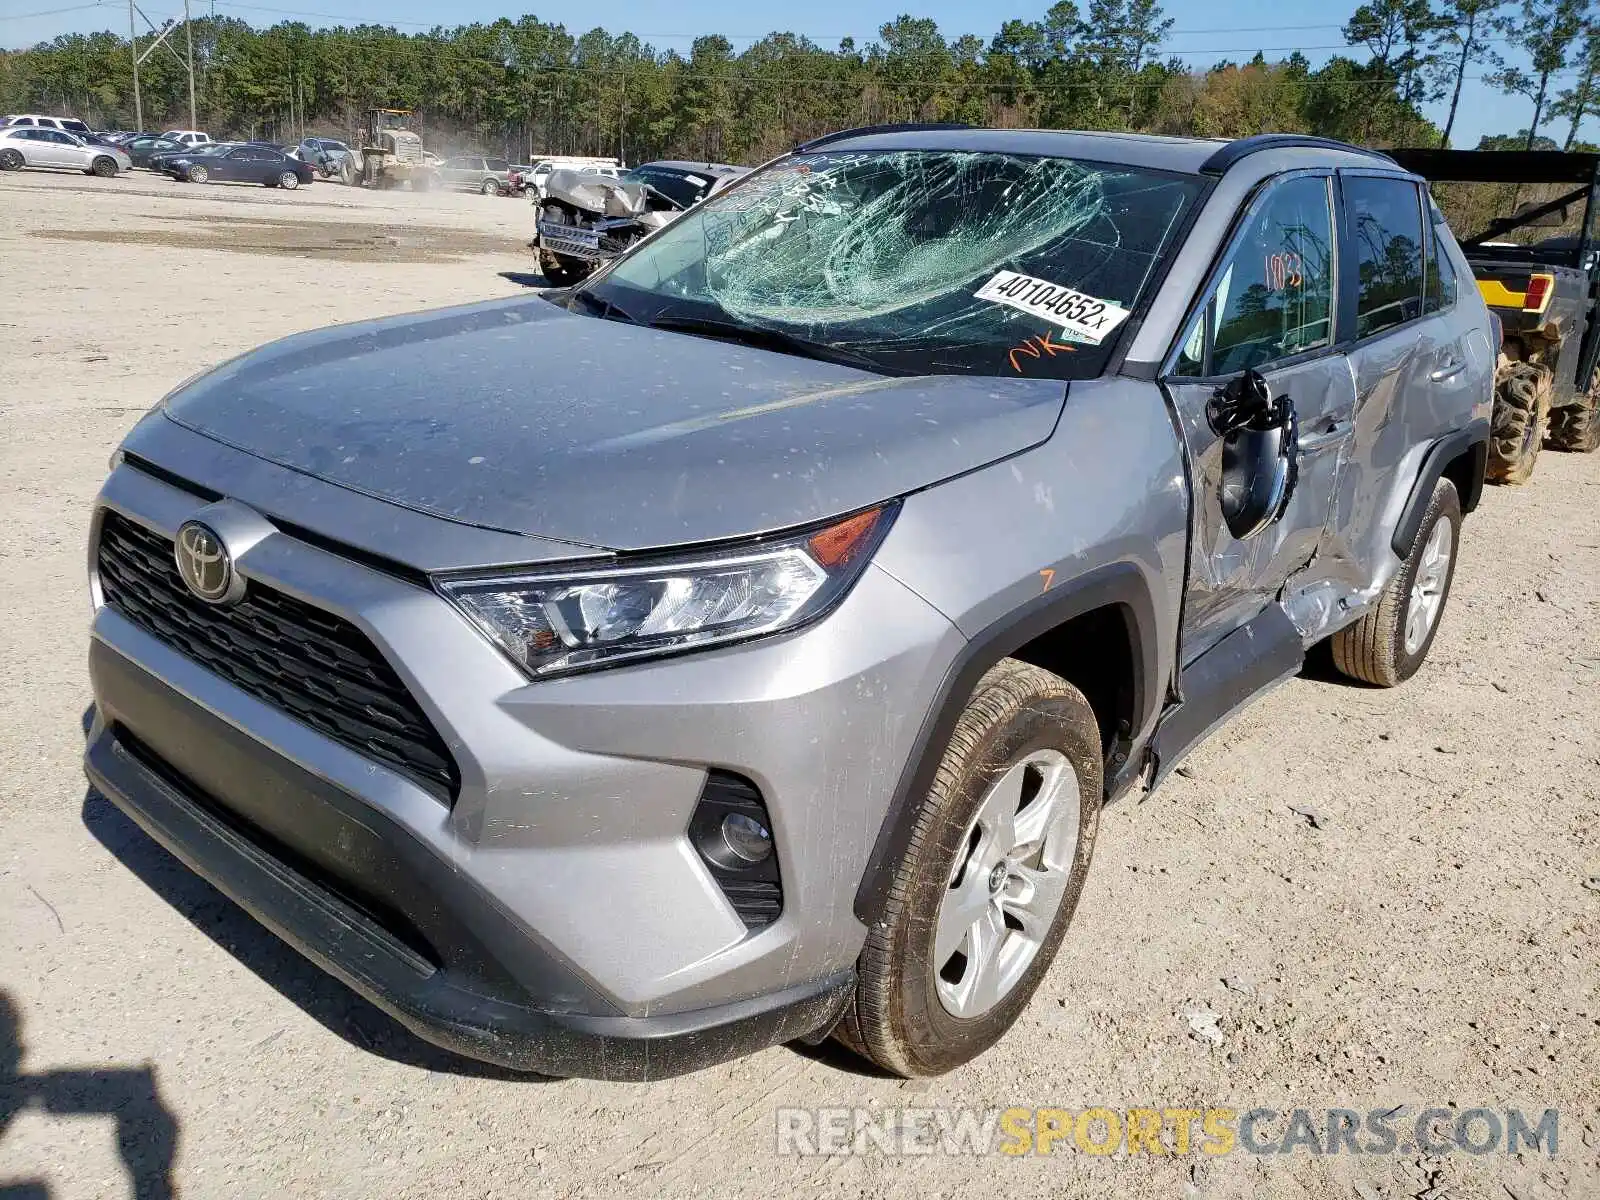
[[527, 87]]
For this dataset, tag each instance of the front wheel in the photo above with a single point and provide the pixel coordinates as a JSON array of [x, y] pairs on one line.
[[1388, 644], [289, 181], [104, 168], [12, 160], [199, 175], [562, 272], [998, 856]]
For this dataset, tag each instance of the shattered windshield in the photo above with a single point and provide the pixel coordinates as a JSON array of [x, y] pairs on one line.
[[918, 262]]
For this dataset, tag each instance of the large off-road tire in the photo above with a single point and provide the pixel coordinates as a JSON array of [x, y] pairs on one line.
[[1389, 642], [1521, 412], [987, 887], [1576, 426]]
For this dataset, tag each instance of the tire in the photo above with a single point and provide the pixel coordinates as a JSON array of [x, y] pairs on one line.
[[288, 181], [562, 272], [490, 187], [199, 175], [1383, 648], [1020, 723], [1521, 412], [104, 167], [1576, 427], [12, 160]]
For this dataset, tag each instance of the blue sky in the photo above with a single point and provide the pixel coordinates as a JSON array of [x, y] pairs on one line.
[[1202, 32]]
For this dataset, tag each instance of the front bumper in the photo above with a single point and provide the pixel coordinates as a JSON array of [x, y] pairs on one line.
[[469, 1007], [555, 904]]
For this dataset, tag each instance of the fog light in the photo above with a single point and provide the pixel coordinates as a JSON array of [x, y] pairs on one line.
[[747, 837], [733, 834]]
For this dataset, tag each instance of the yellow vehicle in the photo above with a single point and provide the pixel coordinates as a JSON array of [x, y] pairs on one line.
[[390, 155]]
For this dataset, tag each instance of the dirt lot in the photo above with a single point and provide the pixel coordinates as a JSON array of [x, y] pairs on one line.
[[1433, 943]]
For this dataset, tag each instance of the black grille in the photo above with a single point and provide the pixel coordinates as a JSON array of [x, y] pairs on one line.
[[315, 666]]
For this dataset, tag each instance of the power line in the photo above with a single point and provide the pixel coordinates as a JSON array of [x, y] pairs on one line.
[[50, 12]]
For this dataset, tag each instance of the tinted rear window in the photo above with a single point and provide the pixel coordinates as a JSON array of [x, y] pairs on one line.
[[1386, 234]]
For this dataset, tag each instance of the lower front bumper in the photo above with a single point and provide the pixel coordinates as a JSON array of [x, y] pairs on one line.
[[429, 999]]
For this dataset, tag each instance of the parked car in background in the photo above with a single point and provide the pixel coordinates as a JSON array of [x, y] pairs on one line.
[[188, 137], [590, 215], [327, 155], [37, 146], [476, 173], [244, 162], [161, 159], [542, 168], [66, 124], [145, 146]]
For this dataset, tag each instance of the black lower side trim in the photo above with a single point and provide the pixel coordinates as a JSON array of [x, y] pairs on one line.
[[1222, 680]]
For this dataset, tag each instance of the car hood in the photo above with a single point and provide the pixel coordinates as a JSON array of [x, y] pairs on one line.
[[519, 416]]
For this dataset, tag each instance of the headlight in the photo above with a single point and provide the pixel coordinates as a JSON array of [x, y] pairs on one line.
[[576, 620]]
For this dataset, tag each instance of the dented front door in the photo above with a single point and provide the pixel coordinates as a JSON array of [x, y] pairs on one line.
[[1271, 308]]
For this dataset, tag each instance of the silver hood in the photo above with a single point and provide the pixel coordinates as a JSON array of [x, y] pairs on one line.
[[518, 416]]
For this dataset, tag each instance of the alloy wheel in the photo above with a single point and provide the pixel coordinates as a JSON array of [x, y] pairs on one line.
[[1008, 883], [1427, 588]]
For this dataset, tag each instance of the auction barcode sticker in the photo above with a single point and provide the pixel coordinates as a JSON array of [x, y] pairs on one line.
[[1075, 312]]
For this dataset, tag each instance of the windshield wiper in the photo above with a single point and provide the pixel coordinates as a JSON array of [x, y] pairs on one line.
[[772, 339], [600, 307]]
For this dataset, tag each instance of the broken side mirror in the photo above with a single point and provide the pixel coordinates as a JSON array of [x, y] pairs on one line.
[[1260, 451]]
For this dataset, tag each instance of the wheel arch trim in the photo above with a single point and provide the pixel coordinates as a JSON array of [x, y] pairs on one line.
[[1117, 585], [1472, 440]]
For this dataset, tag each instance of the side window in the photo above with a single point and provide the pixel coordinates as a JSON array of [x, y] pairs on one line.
[[1386, 227], [1275, 295], [1439, 272]]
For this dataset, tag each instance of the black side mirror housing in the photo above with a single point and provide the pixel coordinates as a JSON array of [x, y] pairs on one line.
[[1260, 452]]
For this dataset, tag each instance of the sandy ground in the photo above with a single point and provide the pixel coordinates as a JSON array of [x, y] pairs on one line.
[[1433, 943]]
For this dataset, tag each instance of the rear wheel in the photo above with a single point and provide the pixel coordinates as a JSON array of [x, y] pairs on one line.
[[11, 160], [104, 167], [490, 187], [1388, 644], [987, 888], [1576, 427], [1521, 412], [289, 180]]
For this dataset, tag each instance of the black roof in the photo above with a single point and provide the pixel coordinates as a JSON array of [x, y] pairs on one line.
[[1500, 166]]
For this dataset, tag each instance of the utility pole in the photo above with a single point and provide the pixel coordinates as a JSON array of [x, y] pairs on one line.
[[188, 37], [133, 48]]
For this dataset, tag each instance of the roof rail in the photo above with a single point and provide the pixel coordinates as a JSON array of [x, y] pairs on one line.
[[1226, 156], [910, 127]]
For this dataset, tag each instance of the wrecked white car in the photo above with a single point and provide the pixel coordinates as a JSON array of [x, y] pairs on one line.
[[587, 218]]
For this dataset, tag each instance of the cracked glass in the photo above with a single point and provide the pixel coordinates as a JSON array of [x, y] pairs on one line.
[[880, 256]]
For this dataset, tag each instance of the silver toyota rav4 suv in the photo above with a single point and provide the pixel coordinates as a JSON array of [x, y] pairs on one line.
[[761, 672]]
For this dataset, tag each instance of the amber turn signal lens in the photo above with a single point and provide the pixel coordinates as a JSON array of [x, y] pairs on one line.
[[836, 545]]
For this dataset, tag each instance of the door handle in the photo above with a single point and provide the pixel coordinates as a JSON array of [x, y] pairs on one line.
[[1448, 371]]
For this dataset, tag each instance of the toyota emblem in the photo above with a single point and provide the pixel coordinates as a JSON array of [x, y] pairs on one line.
[[205, 565]]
